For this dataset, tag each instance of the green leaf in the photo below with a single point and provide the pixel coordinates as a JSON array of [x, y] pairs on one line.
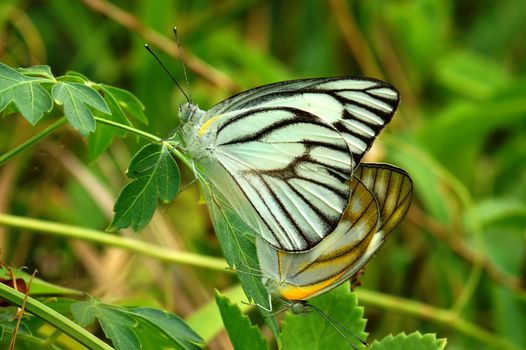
[[122, 105], [425, 172], [24, 339], [413, 341], [76, 77], [39, 71], [101, 139], [171, 325], [471, 75], [117, 325], [207, 319], [237, 243], [132, 328], [128, 103], [8, 322], [77, 98], [496, 210], [119, 328], [509, 314], [26, 93], [155, 177], [314, 331], [242, 334], [117, 112], [84, 312], [466, 124]]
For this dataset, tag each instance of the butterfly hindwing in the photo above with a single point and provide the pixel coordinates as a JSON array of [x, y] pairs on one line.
[[380, 197], [392, 188]]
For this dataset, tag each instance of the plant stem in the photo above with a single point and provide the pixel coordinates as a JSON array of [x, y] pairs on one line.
[[33, 140], [154, 139], [53, 318], [139, 132], [448, 318], [133, 245]]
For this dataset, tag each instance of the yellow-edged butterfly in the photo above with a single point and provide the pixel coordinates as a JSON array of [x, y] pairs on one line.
[[380, 197]]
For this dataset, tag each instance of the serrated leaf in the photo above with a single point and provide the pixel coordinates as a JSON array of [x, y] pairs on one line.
[[129, 104], [156, 178], [413, 341], [171, 325], [83, 312], [77, 98], [26, 93], [132, 328], [117, 325], [242, 334], [119, 328], [313, 331]]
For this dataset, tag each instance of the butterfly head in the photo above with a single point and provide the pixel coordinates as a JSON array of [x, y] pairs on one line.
[[187, 112], [300, 307]]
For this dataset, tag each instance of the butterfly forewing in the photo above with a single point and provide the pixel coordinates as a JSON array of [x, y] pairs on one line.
[[290, 147]]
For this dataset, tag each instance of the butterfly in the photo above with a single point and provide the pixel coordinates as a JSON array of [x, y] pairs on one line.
[[380, 197], [282, 154]]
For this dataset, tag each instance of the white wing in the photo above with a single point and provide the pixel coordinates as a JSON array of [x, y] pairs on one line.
[[291, 146]]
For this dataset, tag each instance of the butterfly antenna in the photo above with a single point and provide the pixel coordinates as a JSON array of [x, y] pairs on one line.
[[246, 272], [180, 48], [336, 326], [147, 47]]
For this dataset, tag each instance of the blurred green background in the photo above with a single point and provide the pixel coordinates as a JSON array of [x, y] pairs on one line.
[[460, 132]]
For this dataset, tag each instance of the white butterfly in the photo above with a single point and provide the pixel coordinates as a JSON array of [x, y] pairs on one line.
[[281, 154]]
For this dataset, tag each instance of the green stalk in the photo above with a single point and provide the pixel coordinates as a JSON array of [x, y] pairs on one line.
[[131, 129], [33, 140], [154, 139], [133, 245], [53, 318]]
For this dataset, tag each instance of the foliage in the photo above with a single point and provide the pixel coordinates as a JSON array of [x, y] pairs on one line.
[[460, 134], [323, 328], [241, 332]]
